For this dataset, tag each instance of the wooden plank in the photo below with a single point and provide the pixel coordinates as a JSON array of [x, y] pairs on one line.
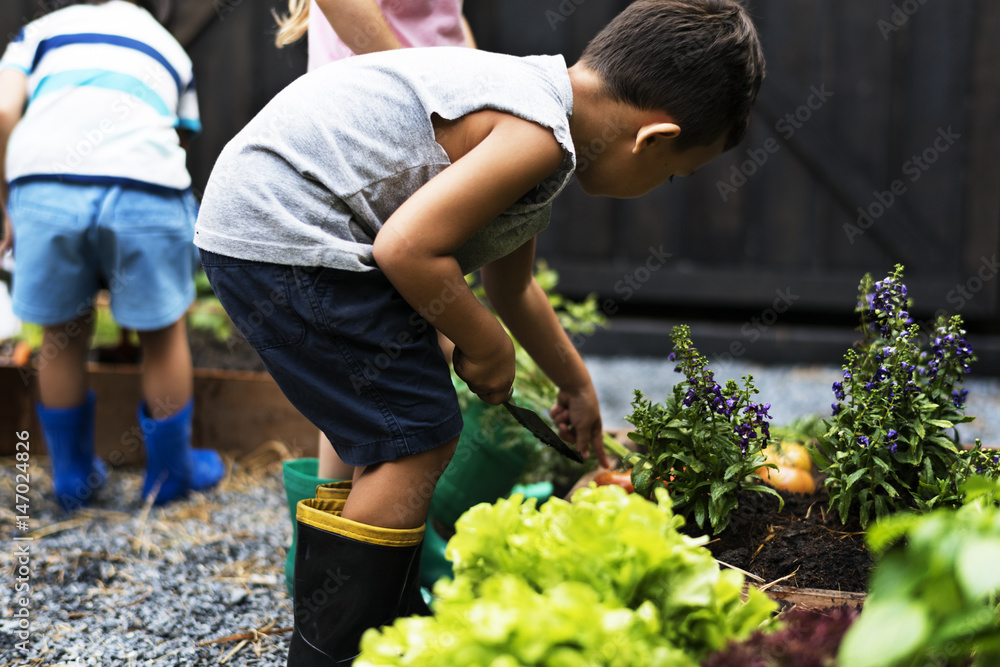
[[235, 412], [581, 226], [814, 598], [238, 70], [17, 403], [981, 238], [191, 17], [782, 194], [902, 237], [931, 72], [680, 283]]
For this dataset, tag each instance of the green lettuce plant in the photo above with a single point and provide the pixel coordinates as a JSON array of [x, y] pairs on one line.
[[604, 580], [934, 595], [704, 442], [892, 443]]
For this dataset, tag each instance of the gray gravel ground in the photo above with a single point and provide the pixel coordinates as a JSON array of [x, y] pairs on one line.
[[121, 584], [792, 391]]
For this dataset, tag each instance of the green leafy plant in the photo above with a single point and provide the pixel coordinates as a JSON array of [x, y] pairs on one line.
[[892, 443], [703, 442], [604, 580], [933, 597]]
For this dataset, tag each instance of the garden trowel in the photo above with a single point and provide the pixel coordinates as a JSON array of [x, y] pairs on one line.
[[531, 421]]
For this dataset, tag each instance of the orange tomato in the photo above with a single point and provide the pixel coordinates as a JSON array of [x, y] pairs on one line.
[[786, 478], [795, 455], [608, 477], [789, 455]]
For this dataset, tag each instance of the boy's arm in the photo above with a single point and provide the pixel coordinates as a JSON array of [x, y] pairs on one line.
[[13, 96], [360, 24], [415, 246], [526, 310]]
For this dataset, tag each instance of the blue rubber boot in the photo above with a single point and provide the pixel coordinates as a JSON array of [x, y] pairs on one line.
[[171, 462], [76, 472]]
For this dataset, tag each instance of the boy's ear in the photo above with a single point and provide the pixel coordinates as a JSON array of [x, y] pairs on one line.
[[650, 133]]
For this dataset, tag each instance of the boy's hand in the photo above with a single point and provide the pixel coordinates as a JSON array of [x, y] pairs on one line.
[[489, 376], [578, 417]]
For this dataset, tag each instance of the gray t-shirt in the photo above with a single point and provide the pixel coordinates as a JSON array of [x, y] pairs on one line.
[[314, 176]]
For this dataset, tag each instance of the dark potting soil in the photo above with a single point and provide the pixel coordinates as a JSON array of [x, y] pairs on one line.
[[234, 353], [207, 351], [804, 538]]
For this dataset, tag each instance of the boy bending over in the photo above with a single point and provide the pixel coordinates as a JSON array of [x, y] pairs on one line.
[[341, 222]]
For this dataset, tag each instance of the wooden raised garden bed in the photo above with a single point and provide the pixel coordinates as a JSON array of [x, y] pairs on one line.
[[235, 412]]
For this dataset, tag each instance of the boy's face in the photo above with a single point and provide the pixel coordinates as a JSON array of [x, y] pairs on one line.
[[633, 167]]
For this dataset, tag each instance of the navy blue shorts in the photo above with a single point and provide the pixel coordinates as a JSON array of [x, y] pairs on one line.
[[348, 352]]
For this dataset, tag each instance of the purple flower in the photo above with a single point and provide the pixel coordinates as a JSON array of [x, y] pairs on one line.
[[891, 435], [689, 397], [672, 356], [893, 447], [959, 398], [863, 441], [838, 391], [836, 408], [848, 375], [886, 303]]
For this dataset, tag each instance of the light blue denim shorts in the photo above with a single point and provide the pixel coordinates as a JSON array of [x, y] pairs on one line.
[[71, 240]]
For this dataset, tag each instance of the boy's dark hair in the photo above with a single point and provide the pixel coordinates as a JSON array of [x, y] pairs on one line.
[[161, 9], [698, 60]]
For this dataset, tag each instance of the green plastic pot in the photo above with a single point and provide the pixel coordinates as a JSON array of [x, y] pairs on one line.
[[484, 467]]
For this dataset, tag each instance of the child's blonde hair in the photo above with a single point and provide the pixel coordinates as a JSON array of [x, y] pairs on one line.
[[294, 25]]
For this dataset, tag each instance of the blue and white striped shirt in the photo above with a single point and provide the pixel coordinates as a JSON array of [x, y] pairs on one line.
[[108, 87]]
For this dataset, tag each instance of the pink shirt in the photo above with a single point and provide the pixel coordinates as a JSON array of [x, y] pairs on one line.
[[414, 22]]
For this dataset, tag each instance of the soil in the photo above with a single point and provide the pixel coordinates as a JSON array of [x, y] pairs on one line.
[[207, 351], [803, 538]]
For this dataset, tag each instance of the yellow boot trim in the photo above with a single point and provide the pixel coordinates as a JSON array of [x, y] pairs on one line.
[[333, 506], [325, 515], [332, 490]]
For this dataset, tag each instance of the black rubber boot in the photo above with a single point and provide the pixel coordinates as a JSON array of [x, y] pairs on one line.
[[349, 577], [413, 599]]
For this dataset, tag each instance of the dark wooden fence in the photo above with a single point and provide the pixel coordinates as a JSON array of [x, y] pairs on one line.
[[874, 142], [889, 109]]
